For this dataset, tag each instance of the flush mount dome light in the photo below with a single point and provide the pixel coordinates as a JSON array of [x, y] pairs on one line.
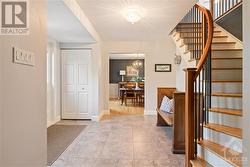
[[133, 14]]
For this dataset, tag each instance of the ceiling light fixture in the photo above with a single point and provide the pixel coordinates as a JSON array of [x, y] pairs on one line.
[[133, 14], [137, 63]]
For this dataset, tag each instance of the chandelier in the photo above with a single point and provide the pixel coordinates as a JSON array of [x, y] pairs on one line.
[[137, 64]]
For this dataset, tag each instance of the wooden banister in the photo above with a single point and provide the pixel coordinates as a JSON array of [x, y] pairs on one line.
[[208, 42], [198, 99]]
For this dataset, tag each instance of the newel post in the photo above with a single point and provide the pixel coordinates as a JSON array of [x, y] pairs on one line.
[[189, 116]]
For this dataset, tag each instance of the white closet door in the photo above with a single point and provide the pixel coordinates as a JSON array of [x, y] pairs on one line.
[[75, 84]]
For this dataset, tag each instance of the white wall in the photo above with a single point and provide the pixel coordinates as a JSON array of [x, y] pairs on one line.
[[156, 52], [99, 89], [180, 74], [113, 90], [1, 100], [246, 82], [24, 90], [53, 83], [205, 3]]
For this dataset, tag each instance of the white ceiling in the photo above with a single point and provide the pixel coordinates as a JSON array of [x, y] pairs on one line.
[[161, 17], [63, 26]]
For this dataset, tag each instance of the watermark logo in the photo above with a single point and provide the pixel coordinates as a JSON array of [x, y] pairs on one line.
[[232, 151], [14, 17]]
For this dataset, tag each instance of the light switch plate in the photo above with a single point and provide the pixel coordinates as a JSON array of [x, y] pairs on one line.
[[23, 57]]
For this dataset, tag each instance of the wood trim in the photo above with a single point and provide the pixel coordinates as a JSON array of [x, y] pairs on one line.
[[229, 155], [227, 95], [199, 162], [226, 111], [179, 123], [207, 47], [224, 81], [232, 131], [212, 7], [227, 58]]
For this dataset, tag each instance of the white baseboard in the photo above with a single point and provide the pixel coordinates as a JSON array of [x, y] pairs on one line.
[[150, 112], [98, 118], [95, 118], [50, 123]]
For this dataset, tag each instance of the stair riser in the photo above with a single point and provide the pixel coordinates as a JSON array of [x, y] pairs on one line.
[[188, 26], [189, 29], [189, 40], [224, 119], [227, 63], [223, 46], [192, 29], [223, 139], [227, 87], [227, 75], [216, 46], [212, 158], [184, 34], [226, 102], [227, 54], [220, 39]]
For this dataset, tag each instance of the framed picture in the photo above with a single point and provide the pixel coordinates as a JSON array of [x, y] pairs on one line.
[[132, 72], [163, 68]]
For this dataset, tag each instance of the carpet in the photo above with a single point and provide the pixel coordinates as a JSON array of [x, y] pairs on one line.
[[59, 137]]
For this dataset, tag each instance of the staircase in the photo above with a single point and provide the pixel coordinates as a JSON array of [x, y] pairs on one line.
[[217, 124]]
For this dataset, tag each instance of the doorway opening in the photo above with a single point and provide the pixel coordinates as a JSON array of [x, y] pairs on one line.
[[126, 84]]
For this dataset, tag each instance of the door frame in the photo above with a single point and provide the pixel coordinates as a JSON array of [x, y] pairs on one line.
[[89, 84], [108, 83]]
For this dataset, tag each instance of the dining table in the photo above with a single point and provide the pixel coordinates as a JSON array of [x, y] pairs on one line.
[[123, 91]]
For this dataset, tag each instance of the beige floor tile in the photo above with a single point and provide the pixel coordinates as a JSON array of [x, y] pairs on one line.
[[124, 141], [125, 163], [118, 150], [74, 162], [143, 163], [150, 151], [171, 162], [105, 163]]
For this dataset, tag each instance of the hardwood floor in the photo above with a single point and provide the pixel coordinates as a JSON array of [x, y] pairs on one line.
[[116, 109]]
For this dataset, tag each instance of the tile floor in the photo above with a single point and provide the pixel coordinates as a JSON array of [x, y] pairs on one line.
[[124, 141]]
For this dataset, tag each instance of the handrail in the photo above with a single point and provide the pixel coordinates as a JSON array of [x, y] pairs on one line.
[[208, 45]]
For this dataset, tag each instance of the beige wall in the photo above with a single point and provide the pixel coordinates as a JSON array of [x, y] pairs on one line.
[[24, 91], [156, 52], [246, 82]]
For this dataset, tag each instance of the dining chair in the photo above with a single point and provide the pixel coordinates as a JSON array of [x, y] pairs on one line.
[[130, 94], [141, 98]]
